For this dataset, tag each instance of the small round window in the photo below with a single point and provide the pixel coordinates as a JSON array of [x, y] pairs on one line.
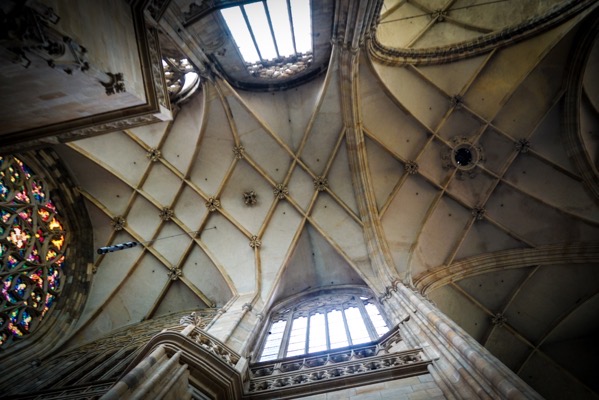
[[32, 247]]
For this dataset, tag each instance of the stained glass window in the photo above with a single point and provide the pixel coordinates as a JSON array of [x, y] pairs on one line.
[[322, 323], [33, 242]]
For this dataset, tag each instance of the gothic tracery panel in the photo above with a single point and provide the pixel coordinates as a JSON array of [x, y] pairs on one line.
[[33, 242]]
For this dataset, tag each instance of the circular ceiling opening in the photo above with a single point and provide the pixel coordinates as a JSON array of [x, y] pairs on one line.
[[463, 157]]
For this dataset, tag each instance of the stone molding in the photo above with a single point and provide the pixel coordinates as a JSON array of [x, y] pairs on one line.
[[482, 44], [574, 141], [508, 259]]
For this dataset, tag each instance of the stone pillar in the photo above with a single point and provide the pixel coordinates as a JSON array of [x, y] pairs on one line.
[[156, 376], [235, 324], [462, 368]]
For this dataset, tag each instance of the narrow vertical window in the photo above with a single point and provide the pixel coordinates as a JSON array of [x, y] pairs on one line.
[[297, 338], [273, 342]]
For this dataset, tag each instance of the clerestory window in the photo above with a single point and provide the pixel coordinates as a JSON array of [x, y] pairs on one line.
[[322, 323], [274, 37]]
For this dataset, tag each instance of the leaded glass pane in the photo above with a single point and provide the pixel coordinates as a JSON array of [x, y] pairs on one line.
[[377, 320], [297, 338], [357, 328], [273, 342], [337, 335], [318, 334], [32, 247]]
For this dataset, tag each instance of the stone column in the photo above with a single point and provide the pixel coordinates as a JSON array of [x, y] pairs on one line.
[[157, 376], [462, 368]]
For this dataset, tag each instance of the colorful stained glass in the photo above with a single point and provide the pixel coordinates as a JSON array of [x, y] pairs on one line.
[[38, 191], [3, 191], [18, 237], [44, 214], [5, 216], [21, 195], [32, 249]]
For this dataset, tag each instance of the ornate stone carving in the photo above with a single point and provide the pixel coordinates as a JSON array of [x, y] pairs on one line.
[[156, 8], [523, 146], [214, 346], [250, 198], [166, 214], [478, 213], [321, 183], [112, 126], [480, 45], [499, 320], [335, 365], [247, 307], [156, 68], [411, 167], [192, 319], [439, 15], [212, 204], [175, 273], [281, 191], [239, 152], [255, 242], [464, 156], [456, 101], [118, 223], [153, 154]]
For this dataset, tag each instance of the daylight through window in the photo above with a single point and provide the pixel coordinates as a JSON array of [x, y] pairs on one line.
[[274, 37], [33, 242], [323, 323]]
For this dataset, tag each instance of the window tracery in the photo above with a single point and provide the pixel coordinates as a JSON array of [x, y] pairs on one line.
[[273, 36], [326, 322], [33, 242]]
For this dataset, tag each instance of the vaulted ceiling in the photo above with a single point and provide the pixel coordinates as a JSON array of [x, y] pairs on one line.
[[507, 249]]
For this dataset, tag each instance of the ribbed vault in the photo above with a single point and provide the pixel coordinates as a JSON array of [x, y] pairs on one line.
[[362, 158]]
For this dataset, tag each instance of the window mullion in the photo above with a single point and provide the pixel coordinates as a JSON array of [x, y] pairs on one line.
[[247, 22], [367, 321], [272, 31], [346, 325], [286, 334], [326, 329], [306, 343], [291, 25]]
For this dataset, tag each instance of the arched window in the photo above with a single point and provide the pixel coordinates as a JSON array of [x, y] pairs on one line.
[[325, 322], [32, 247]]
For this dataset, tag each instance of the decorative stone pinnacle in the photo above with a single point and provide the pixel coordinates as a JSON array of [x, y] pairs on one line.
[[321, 183], [212, 204], [255, 242], [175, 273], [411, 167], [247, 307], [118, 223], [153, 154], [166, 214], [499, 319], [478, 213], [239, 152], [250, 198], [281, 191], [523, 146], [456, 101]]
